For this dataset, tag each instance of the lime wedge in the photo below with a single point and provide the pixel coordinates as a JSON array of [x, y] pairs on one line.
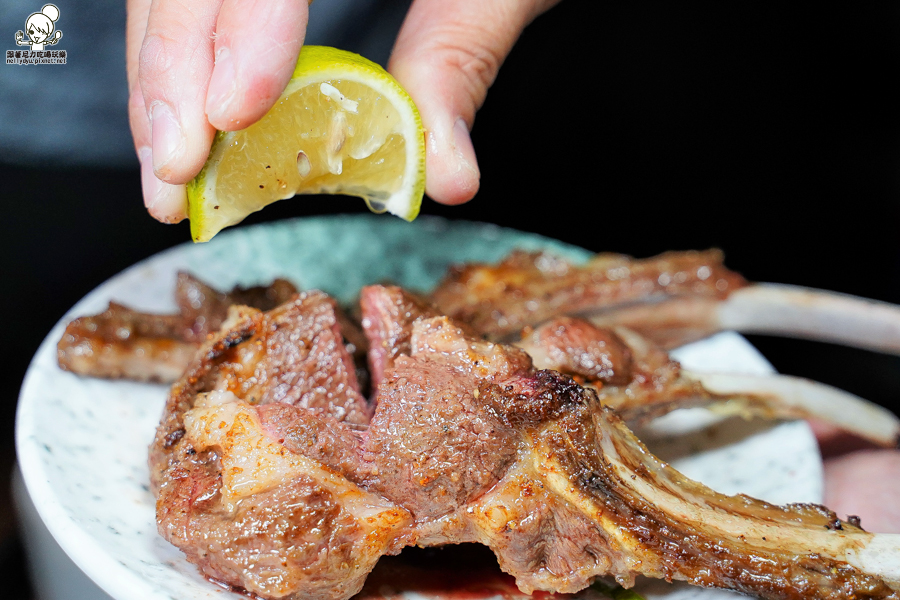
[[342, 126]]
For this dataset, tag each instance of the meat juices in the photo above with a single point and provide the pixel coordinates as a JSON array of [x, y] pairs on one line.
[[295, 494]]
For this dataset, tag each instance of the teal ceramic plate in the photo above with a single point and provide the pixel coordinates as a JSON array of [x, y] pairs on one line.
[[82, 443]]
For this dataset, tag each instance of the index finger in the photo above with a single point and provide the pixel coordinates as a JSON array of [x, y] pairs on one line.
[[164, 201], [176, 61]]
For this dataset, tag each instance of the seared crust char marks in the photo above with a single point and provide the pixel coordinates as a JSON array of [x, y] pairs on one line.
[[292, 355], [629, 373], [679, 529], [122, 343], [527, 288]]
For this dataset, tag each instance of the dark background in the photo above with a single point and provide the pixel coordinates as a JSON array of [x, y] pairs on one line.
[[770, 132]]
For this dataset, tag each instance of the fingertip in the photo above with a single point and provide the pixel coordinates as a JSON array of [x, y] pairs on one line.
[[452, 176], [137, 119], [165, 202], [175, 64], [180, 145]]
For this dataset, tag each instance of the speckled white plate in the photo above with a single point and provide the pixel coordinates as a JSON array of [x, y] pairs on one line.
[[82, 443]]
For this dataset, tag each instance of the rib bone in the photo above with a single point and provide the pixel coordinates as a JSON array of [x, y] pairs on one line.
[[784, 396], [673, 298], [814, 314], [773, 533], [764, 308], [640, 381]]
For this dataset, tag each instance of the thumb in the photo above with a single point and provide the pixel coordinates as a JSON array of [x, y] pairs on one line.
[[447, 55]]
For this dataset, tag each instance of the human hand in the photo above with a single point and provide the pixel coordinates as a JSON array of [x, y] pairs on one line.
[[447, 55], [195, 66]]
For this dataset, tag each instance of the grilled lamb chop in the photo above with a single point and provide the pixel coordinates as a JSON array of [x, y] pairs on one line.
[[203, 309], [671, 299], [124, 343], [528, 288], [640, 381], [292, 355], [468, 443], [266, 501], [634, 376], [121, 343]]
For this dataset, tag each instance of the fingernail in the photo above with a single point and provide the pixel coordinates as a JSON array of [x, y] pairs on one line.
[[165, 202], [465, 151], [168, 137], [221, 86]]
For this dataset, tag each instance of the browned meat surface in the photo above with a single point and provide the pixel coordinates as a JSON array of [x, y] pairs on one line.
[[629, 373], [633, 375], [640, 381], [315, 434], [388, 313], [468, 443], [437, 440], [577, 348], [293, 355], [313, 535], [203, 308], [123, 343], [292, 517], [529, 288]]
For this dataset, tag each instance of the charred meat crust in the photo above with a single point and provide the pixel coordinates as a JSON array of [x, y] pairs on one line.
[[527, 288], [699, 552], [262, 357], [122, 343], [629, 373]]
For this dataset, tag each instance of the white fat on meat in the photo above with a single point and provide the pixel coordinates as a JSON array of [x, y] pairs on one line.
[[253, 462]]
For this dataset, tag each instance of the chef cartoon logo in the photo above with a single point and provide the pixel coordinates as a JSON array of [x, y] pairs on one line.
[[40, 33]]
